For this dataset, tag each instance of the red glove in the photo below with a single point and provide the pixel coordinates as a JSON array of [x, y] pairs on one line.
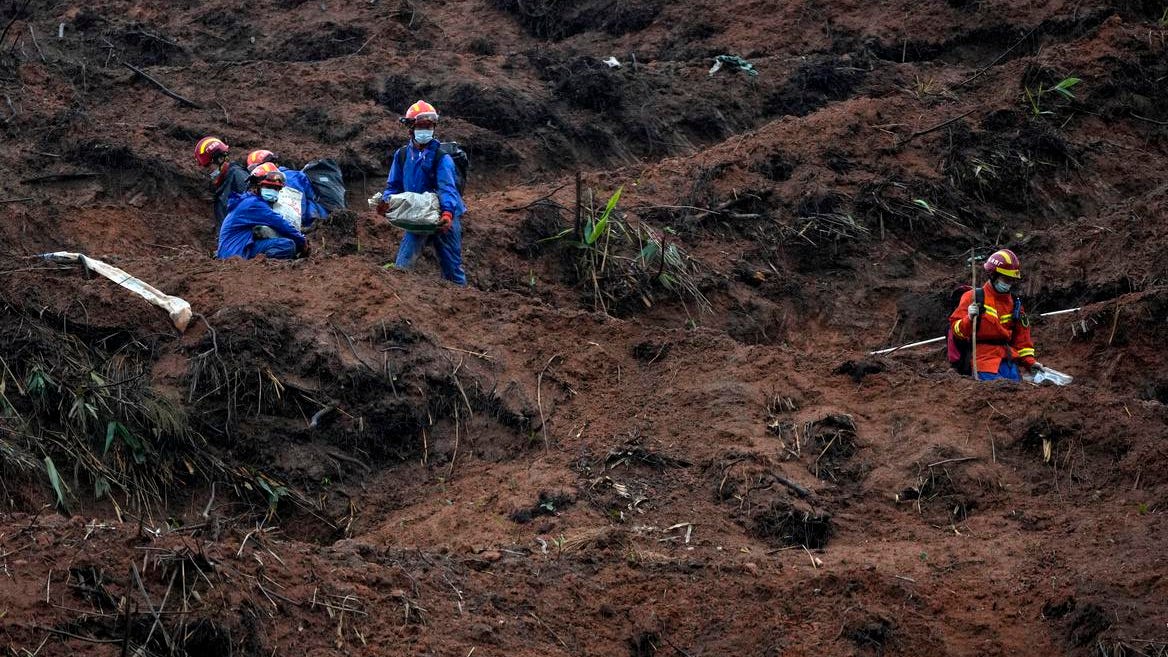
[[445, 222]]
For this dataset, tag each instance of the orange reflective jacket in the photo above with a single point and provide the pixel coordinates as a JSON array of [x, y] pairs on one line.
[[1000, 335]]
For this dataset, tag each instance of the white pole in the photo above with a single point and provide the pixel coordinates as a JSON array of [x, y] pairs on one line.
[[925, 342], [907, 346]]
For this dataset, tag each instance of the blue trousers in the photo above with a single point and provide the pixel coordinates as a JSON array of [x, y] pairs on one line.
[[280, 248], [447, 245], [1008, 370]]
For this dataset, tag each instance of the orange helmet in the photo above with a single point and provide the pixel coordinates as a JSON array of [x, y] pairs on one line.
[[1004, 262], [420, 110], [259, 157], [267, 174], [207, 149]]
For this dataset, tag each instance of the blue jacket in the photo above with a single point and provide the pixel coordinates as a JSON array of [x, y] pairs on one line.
[[246, 211], [310, 209], [419, 176]]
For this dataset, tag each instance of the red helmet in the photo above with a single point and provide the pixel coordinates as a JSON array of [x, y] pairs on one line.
[[1004, 262], [207, 148], [267, 175], [259, 157], [420, 110]]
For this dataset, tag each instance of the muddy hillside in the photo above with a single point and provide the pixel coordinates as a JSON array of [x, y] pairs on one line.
[[651, 423]]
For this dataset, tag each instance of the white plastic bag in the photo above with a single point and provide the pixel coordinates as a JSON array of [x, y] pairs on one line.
[[414, 212], [290, 204]]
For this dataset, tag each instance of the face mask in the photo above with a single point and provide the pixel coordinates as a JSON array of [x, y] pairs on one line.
[[1001, 286], [423, 136], [270, 195]]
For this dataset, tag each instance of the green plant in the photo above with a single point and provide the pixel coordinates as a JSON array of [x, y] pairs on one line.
[[623, 263], [1034, 95], [92, 415]]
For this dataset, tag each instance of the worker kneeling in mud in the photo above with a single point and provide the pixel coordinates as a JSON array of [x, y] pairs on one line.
[[1004, 347], [227, 178], [310, 208], [252, 211]]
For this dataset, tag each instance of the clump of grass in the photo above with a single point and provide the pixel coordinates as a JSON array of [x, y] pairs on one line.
[[1034, 95], [624, 264], [88, 420]]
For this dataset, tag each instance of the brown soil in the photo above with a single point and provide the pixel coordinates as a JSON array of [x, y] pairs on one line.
[[340, 458]]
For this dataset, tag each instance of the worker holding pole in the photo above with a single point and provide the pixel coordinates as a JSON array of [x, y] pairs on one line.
[[991, 325]]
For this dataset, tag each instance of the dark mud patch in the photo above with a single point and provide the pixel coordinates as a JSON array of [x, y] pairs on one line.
[[814, 84], [776, 167], [557, 19], [833, 441], [635, 452], [871, 632], [548, 504], [984, 44], [786, 525], [941, 491], [858, 369], [320, 43], [499, 108]]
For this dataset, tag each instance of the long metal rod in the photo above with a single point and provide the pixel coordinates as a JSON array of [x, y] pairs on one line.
[[935, 340]]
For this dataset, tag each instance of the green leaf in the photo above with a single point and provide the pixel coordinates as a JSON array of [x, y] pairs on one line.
[[55, 480], [274, 492], [602, 224], [649, 252], [1064, 87], [101, 488], [924, 204], [560, 235], [110, 430]]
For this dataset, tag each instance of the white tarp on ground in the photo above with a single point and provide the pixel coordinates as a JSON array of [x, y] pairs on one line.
[[178, 309]]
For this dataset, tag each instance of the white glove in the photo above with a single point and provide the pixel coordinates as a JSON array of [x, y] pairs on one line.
[[375, 200], [973, 310], [1036, 367]]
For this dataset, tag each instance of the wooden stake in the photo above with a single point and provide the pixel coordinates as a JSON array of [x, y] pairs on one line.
[[976, 320]]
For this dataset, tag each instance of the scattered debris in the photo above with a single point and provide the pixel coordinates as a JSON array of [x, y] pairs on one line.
[[733, 60], [859, 369]]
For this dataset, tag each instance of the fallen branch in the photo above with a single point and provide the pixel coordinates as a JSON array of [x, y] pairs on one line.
[[920, 133], [162, 87], [76, 636], [1144, 118], [794, 487], [15, 200], [995, 62], [476, 354], [960, 460], [57, 177]]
